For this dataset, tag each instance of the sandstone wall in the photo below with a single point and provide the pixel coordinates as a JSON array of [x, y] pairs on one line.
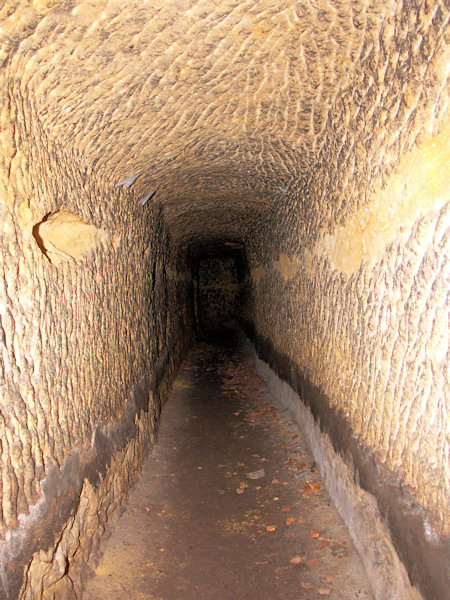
[[355, 317], [90, 340], [133, 134]]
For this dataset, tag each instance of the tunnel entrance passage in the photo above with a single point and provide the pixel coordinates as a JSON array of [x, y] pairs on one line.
[[230, 504], [220, 273], [218, 292]]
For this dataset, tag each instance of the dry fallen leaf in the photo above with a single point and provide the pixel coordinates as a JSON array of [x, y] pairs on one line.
[[296, 560], [323, 591], [286, 509], [309, 488], [289, 521], [275, 481], [256, 474], [305, 585], [271, 527], [314, 533], [330, 578], [239, 491]]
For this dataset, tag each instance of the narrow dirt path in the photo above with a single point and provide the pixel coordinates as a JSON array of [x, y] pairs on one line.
[[230, 505]]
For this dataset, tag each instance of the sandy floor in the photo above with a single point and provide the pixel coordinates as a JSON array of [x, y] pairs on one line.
[[230, 504]]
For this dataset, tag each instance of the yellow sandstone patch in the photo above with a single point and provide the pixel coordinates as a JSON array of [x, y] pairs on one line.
[[420, 186], [64, 236], [288, 267]]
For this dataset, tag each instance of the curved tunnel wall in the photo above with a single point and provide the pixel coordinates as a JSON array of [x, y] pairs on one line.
[[313, 133]]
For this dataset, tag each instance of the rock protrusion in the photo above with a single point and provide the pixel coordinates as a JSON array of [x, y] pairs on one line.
[[63, 236]]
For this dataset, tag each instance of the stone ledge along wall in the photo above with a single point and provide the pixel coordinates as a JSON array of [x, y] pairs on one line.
[[132, 134]]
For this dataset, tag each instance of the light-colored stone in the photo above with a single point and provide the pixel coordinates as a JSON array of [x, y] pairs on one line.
[[313, 134], [64, 236]]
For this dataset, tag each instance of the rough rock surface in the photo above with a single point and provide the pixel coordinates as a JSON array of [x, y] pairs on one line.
[[314, 134]]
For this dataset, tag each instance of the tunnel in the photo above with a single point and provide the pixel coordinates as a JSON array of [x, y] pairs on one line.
[[171, 168]]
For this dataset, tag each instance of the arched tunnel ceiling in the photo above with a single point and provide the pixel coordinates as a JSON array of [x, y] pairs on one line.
[[224, 105]]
